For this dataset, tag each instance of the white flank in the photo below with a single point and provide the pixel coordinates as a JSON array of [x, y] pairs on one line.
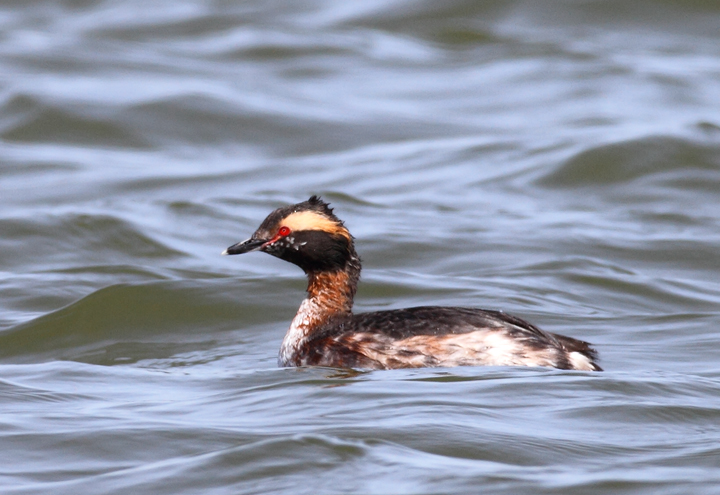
[[580, 362], [307, 315]]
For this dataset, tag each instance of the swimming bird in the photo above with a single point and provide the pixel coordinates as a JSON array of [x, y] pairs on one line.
[[326, 332]]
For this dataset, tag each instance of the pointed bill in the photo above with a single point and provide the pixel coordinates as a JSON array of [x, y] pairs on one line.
[[245, 246]]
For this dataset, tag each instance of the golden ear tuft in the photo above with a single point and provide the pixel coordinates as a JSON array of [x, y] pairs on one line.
[[311, 220]]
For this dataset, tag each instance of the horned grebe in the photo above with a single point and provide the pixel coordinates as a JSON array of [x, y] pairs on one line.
[[325, 332]]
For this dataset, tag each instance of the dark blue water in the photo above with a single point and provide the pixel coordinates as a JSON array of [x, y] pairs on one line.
[[556, 160]]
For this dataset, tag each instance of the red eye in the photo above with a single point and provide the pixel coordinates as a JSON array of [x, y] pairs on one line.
[[284, 231]]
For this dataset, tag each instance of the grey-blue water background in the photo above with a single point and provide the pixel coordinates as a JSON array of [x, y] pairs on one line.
[[559, 160]]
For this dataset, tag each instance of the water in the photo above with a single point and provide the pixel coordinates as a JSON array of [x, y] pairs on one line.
[[557, 160]]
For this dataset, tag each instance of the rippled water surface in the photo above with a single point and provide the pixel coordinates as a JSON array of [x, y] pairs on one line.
[[558, 160]]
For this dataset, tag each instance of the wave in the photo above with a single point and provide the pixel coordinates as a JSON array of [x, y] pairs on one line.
[[669, 160]]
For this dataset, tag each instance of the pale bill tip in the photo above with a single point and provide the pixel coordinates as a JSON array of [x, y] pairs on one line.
[[224, 253]]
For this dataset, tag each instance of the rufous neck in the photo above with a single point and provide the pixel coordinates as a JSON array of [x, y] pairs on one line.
[[332, 292]]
